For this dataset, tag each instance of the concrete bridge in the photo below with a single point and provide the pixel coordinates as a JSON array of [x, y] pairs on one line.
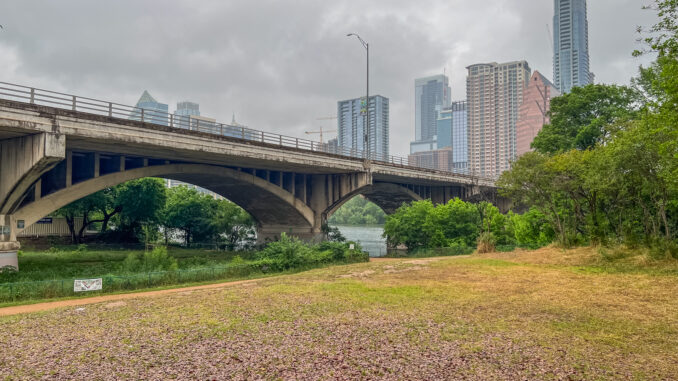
[[57, 148]]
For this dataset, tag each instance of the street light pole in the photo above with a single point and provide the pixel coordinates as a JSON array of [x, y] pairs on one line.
[[366, 129]]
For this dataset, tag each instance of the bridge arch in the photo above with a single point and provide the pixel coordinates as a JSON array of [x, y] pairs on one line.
[[389, 197], [270, 205]]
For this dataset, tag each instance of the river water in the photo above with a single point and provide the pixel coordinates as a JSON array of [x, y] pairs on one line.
[[369, 238]]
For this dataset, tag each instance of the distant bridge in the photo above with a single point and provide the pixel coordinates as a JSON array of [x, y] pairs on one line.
[[56, 148]]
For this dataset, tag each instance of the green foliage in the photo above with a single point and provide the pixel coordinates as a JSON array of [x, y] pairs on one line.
[[358, 211], [332, 233], [233, 226], [606, 169], [290, 252], [142, 202], [532, 229], [154, 260], [421, 225], [584, 117], [486, 242], [408, 226], [191, 212]]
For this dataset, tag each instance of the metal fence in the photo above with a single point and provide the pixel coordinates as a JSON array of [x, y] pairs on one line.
[[37, 96]]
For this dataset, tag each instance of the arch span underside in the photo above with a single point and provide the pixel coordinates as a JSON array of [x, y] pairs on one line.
[[389, 197], [270, 205]]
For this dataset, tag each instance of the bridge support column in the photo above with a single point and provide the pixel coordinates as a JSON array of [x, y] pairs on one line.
[[9, 246], [22, 161]]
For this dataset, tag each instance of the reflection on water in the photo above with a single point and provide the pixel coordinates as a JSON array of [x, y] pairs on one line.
[[369, 238]]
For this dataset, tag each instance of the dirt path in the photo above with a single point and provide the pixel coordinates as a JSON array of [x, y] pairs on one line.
[[28, 308], [15, 310]]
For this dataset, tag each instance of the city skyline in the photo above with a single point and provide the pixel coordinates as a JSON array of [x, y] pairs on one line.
[[310, 71]]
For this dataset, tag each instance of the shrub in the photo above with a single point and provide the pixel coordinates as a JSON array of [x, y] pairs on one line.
[[338, 249], [155, 260], [486, 243], [289, 252], [664, 249]]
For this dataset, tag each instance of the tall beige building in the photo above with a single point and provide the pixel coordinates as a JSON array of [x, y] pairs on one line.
[[495, 93]]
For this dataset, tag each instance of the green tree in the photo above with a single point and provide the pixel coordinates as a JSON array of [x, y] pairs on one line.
[[141, 201], [191, 212], [407, 226], [358, 211], [233, 224], [83, 208], [584, 117]]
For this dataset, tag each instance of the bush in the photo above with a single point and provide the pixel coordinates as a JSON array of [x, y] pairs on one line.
[[155, 260], [486, 243], [664, 249], [289, 252]]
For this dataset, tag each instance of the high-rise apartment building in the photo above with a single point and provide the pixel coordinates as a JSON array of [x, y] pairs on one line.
[[153, 111], [439, 159], [351, 120], [431, 95], [495, 93], [570, 45], [534, 111], [453, 134]]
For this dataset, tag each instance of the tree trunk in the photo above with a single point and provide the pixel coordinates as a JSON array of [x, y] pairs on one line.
[[70, 221]]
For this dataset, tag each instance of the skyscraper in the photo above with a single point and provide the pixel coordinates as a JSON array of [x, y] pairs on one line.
[[570, 45], [431, 95], [153, 111], [534, 111], [351, 122], [495, 92], [187, 108], [453, 134]]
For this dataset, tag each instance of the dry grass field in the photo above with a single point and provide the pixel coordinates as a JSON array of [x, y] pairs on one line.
[[546, 314]]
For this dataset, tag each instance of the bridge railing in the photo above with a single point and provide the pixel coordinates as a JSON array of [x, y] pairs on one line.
[[116, 110]]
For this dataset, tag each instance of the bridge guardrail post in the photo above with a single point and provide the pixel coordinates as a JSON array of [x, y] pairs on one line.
[[242, 132], [280, 137], [142, 114], [74, 103], [110, 109], [32, 95], [262, 136], [171, 120], [296, 142]]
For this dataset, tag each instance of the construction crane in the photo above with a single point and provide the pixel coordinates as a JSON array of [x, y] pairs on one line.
[[321, 130]]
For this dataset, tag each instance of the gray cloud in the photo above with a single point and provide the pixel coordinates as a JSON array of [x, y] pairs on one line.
[[280, 64]]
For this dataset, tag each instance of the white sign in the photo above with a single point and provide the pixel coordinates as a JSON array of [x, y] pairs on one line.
[[87, 284]]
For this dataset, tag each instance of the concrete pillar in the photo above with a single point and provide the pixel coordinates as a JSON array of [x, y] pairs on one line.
[[38, 190], [69, 169], [97, 164]]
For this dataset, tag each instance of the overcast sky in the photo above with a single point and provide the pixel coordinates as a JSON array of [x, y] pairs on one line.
[[279, 65]]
